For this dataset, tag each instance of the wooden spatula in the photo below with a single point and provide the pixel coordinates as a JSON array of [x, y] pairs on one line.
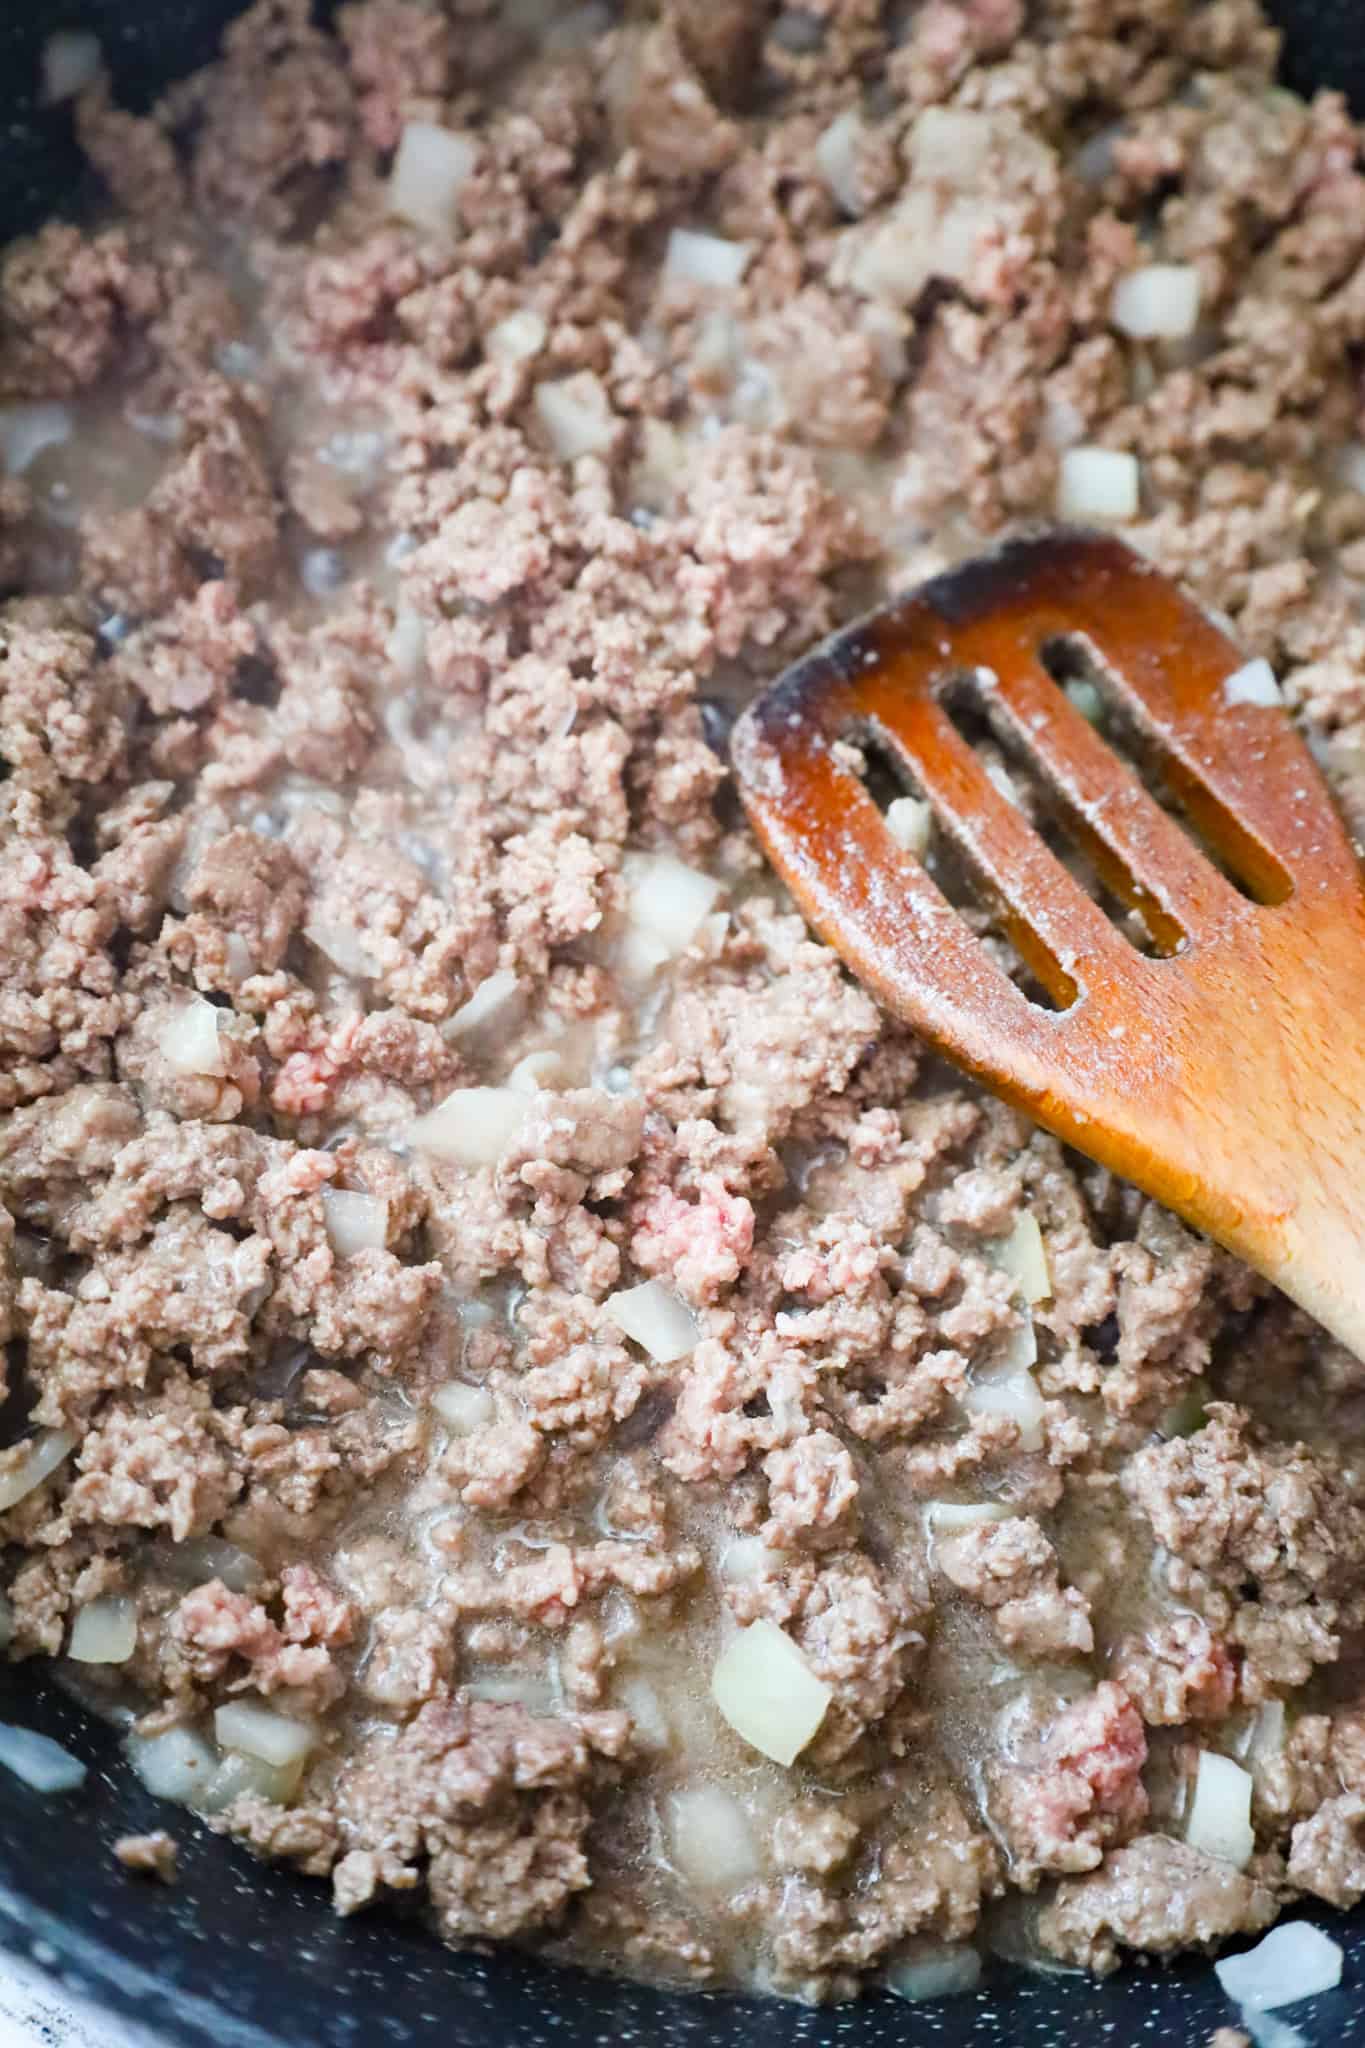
[[1224, 1073]]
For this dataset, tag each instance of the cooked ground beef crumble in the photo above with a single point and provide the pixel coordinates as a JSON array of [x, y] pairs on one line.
[[452, 420]]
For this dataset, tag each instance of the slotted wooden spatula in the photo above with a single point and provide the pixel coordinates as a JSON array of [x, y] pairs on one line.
[[1224, 1074]]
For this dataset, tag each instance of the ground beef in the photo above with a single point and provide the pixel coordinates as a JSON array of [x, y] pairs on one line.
[[390, 988], [491, 1801], [1273, 1521], [1084, 1792], [155, 1854], [1011, 1568], [1157, 1895]]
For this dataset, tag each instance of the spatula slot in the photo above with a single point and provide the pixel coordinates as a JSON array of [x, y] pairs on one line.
[[1024, 773], [1138, 740], [887, 776]]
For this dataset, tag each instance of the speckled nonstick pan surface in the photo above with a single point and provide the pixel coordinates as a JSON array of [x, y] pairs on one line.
[[240, 1956]]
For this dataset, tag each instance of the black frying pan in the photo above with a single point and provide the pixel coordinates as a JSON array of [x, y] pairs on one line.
[[240, 1956]]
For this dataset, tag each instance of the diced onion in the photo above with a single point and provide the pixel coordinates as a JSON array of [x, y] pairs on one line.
[[950, 1517], [640, 954], [239, 1776], [1086, 699], [710, 1838], [1097, 483], [1158, 303], [497, 993], [746, 1558], [190, 1041], [939, 1973], [534, 1690], [38, 1760], [71, 61], [177, 1765], [37, 1460], [261, 1731], [576, 414], [104, 1632], [430, 166], [642, 1703], [25, 430], [653, 1317], [911, 822], [472, 1127], [951, 144], [342, 946], [1219, 1820], [1023, 1256], [321, 571], [1014, 1395], [539, 1070], [1267, 1731], [667, 899], [1000, 775], [355, 1222], [463, 1408], [406, 645], [1253, 683], [1294, 1961], [694, 258], [1020, 1349], [517, 338], [768, 1693], [836, 159]]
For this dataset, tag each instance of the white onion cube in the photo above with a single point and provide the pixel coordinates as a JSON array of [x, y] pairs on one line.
[[1294, 1961], [937, 1973], [355, 1222], [32, 1463], [472, 1127], [463, 1408], [190, 1040], [667, 899], [910, 822], [518, 337], [768, 1693], [429, 167], [1253, 683], [1157, 303], [951, 1517], [71, 61], [104, 1631], [495, 995], [175, 1765], [1219, 1821], [836, 159], [238, 1776], [261, 1731], [694, 258], [1023, 1255], [710, 1838], [576, 414], [1014, 1395], [38, 1760], [406, 645], [1098, 483], [653, 1317]]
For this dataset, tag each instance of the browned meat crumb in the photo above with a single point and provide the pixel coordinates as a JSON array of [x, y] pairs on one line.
[[154, 1854]]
